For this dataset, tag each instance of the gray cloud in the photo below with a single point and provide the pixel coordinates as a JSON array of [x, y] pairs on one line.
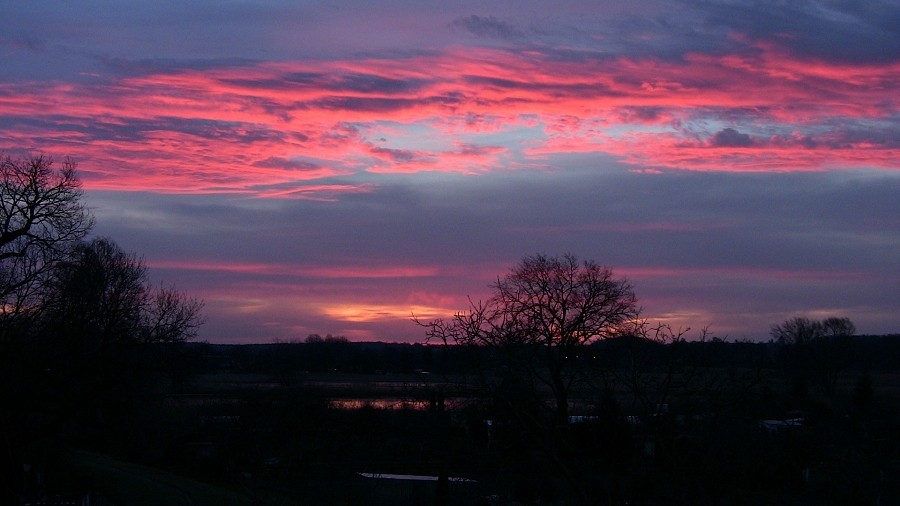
[[136, 130], [284, 163], [397, 155], [128, 66], [487, 27], [366, 83], [364, 103], [731, 138], [852, 32]]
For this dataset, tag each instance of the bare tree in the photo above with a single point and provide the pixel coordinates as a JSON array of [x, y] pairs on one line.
[[98, 295], [103, 294], [98, 336], [41, 219], [75, 317], [540, 318], [555, 305], [798, 330], [838, 327], [171, 316], [814, 347]]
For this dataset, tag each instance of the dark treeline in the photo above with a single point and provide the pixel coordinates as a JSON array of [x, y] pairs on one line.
[[865, 352]]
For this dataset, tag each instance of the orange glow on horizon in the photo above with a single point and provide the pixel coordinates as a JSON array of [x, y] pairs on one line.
[[362, 313]]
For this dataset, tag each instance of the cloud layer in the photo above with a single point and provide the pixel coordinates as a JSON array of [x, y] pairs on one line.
[[335, 169]]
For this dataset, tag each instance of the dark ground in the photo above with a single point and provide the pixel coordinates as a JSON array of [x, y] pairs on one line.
[[297, 424]]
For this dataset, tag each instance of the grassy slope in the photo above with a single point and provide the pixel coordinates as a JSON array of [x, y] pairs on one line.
[[134, 484]]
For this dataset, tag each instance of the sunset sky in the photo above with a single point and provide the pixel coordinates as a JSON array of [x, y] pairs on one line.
[[333, 167]]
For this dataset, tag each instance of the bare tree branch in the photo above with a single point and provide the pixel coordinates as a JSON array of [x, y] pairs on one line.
[[41, 219], [555, 304]]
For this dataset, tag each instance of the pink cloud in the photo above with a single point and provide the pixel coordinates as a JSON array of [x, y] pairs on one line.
[[214, 130]]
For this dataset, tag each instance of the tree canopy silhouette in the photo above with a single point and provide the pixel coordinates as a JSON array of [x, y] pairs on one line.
[[801, 330], [41, 219], [79, 323], [815, 348], [554, 304]]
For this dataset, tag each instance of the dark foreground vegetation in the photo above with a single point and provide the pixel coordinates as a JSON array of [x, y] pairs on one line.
[[552, 391], [653, 423]]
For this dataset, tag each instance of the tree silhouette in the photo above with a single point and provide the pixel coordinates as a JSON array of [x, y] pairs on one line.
[[798, 330], [102, 311], [541, 318], [41, 219], [548, 308], [814, 348], [80, 327], [838, 327]]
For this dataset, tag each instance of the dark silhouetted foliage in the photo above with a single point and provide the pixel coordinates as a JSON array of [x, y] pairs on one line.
[[83, 337]]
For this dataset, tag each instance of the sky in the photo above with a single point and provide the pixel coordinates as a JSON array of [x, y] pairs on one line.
[[335, 167]]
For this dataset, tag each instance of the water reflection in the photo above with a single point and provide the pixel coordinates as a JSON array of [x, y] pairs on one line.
[[394, 403]]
